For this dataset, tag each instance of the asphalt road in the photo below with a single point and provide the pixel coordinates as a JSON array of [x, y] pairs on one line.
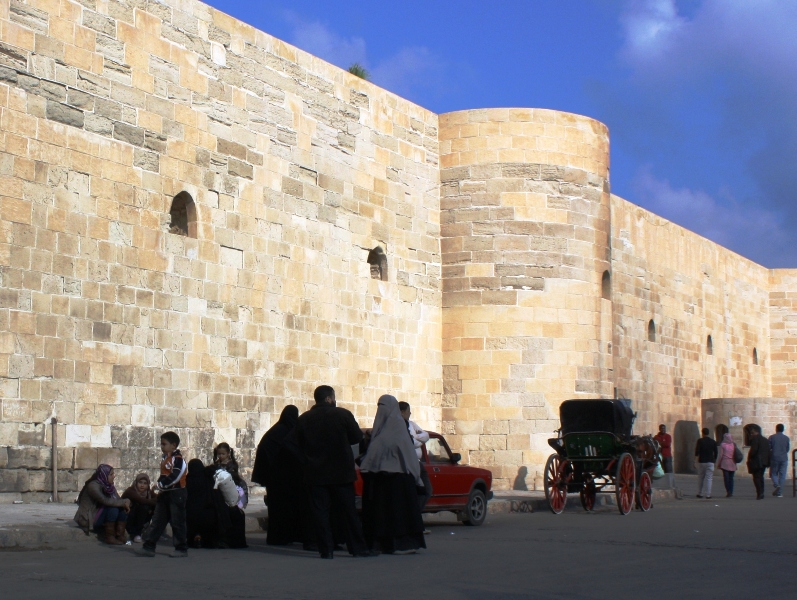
[[719, 548]]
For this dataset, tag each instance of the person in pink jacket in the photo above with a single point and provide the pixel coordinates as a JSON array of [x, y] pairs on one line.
[[726, 463]]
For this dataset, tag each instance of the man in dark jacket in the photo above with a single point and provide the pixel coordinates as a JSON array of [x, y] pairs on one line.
[[325, 435], [758, 460], [706, 456]]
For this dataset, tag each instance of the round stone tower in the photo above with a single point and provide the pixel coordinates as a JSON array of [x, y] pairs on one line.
[[526, 280]]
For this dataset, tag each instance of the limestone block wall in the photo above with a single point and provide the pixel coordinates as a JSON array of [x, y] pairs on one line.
[[764, 412], [121, 329], [691, 289], [783, 332], [525, 226]]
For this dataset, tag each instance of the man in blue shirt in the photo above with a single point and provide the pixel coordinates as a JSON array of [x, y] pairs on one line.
[[779, 459]]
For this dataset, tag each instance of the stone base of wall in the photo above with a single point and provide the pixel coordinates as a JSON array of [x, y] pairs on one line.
[[26, 471]]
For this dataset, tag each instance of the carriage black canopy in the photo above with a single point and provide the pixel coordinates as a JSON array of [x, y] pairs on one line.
[[581, 416]]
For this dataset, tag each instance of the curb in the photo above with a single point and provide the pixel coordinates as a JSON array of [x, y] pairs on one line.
[[511, 504], [39, 537], [58, 535]]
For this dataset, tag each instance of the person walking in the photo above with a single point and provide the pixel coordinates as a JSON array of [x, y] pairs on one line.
[[758, 460], [391, 473], [170, 505], [778, 459], [665, 444], [727, 463], [325, 435], [706, 455]]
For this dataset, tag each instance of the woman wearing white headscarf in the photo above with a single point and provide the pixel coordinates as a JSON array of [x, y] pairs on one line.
[[392, 520]]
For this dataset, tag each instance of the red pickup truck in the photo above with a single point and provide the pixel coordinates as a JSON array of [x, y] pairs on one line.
[[459, 488]]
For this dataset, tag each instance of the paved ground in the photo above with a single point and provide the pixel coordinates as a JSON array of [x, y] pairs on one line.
[[719, 548]]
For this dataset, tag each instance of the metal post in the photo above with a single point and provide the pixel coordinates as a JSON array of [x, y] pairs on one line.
[[55, 459], [794, 473]]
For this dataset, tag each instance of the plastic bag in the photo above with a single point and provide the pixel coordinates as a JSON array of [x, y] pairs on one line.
[[658, 472]]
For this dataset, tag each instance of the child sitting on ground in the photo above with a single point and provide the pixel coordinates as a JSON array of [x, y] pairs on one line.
[[170, 506], [143, 506], [101, 509]]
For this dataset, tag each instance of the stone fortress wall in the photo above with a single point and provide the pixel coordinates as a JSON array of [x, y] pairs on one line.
[[508, 279], [297, 170]]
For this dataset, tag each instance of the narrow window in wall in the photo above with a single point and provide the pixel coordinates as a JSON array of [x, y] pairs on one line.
[[378, 261], [606, 286], [755, 356], [651, 331], [709, 346], [720, 431], [183, 215]]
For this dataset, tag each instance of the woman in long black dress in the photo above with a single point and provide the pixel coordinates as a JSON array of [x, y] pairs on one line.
[[200, 510], [392, 521], [278, 469]]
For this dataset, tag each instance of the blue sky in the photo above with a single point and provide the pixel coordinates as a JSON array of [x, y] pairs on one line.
[[700, 96]]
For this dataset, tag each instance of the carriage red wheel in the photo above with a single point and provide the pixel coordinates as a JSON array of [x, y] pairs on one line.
[[625, 483], [644, 492], [556, 483], [588, 494]]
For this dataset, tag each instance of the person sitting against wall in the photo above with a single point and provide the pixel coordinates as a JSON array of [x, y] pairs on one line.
[[142, 508], [100, 509]]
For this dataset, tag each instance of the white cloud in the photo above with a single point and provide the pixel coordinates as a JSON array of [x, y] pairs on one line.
[[408, 71], [714, 82], [650, 26], [753, 231], [317, 39]]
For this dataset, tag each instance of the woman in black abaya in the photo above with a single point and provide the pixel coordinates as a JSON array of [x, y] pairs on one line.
[[200, 511], [278, 469], [392, 521]]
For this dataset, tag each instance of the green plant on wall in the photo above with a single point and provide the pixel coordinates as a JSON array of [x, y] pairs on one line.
[[359, 70]]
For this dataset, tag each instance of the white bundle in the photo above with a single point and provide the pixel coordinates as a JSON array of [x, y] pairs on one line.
[[225, 483]]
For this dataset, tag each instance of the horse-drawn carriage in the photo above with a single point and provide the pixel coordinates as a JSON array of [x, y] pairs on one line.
[[596, 451]]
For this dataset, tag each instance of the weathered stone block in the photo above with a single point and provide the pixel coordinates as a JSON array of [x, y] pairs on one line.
[[14, 480], [129, 133], [65, 114]]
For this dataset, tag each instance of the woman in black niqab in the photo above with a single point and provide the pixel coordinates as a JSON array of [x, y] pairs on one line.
[[277, 467], [200, 512]]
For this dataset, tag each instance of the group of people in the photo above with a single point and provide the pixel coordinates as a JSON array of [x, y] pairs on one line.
[[307, 465], [771, 453], [203, 504]]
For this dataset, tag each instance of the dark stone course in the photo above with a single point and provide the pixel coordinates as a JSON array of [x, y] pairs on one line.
[[101, 331], [8, 75], [65, 114], [129, 133], [149, 161], [14, 480], [13, 57], [99, 23], [80, 100], [155, 141], [29, 17], [123, 374]]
